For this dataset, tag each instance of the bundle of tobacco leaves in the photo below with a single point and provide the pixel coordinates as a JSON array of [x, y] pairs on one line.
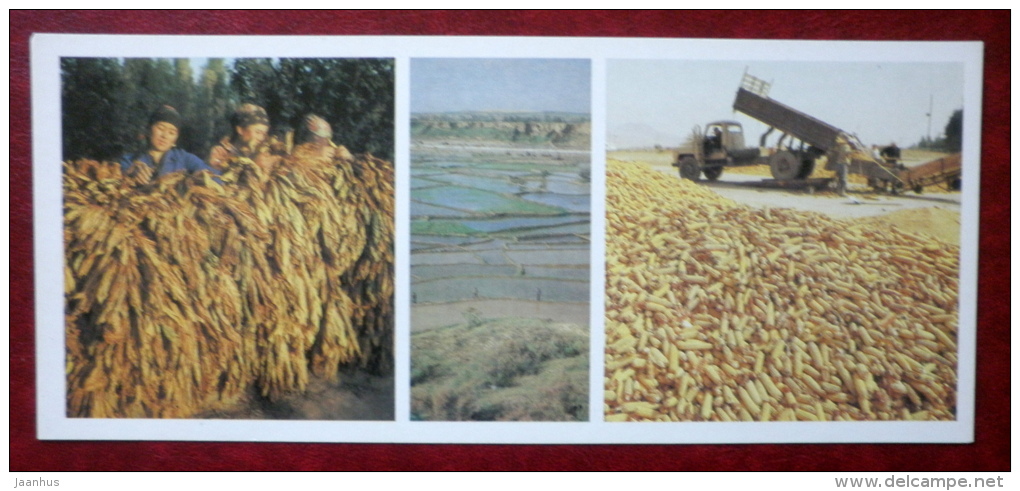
[[183, 291]]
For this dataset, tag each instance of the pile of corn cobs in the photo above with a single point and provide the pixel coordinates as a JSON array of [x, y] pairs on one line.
[[722, 312]]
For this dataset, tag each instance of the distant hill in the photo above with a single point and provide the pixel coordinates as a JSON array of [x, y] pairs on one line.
[[532, 128], [640, 136], [505, 116]]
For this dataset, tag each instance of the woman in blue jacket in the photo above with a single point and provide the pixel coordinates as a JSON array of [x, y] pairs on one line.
[[162, 156]]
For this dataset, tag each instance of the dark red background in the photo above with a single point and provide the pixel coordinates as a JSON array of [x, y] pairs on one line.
[[990, 452]]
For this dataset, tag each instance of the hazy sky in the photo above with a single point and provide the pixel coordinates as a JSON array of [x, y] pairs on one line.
[[467, 84], [881, 103]]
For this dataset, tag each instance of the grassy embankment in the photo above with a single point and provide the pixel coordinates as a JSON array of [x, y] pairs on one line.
[[500, 370]]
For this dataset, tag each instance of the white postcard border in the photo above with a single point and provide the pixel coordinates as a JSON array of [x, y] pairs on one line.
[[47, 49]]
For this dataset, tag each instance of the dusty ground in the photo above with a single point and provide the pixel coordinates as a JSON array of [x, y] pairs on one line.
[[431, 316], [355, 396], [935, 212]]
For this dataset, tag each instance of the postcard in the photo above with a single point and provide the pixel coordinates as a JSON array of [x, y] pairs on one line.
[[505, 240]]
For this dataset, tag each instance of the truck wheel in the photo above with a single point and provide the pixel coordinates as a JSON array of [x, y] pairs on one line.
[[784, 165], [712, 173], [807, 166], [689, 169]]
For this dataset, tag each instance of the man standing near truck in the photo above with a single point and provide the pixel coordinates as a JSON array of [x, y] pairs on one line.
[[840, 157]]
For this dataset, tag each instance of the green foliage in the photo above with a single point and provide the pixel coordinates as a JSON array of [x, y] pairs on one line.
[[91, 108], [354, 95], [952, 138], [473, 317], [206, 121], [441, 228], [954, 132], [107, 101]]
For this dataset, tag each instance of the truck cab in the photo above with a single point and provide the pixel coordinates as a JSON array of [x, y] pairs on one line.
[[720, 145], [720, 137]]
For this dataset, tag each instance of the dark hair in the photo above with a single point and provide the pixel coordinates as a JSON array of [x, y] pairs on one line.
[[167, 114]]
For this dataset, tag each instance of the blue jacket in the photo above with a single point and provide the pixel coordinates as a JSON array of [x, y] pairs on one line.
[[174, 160]]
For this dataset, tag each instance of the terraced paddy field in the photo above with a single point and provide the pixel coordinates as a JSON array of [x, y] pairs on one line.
[[491, 230], [500, 287]]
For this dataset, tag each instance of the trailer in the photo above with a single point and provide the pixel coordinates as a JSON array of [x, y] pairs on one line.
[[946, 170]]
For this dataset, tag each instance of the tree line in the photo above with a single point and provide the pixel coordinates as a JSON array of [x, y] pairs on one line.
[[951, 139], [106, 102]]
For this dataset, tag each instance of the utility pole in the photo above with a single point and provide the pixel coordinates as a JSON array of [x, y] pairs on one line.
[[931, 100]]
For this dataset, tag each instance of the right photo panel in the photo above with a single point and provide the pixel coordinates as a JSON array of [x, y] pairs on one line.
[[782, 240]]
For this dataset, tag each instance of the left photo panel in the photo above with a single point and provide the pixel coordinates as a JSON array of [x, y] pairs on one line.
[[228, 237]]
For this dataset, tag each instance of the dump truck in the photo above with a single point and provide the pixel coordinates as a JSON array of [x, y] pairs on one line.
[[803, 141]]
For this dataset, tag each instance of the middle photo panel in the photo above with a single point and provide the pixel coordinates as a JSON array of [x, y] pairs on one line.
[[500, 239]]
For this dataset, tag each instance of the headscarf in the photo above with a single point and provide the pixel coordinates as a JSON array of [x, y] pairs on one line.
[[249, 114], [314, 128]]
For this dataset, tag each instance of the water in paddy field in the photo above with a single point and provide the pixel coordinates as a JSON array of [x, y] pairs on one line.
[[510, 288], [434, 271], [419, 209], [572, 202], [508, 225], [498, 183], [418, 182], [486, 190], [499, 231], [438, 243], [476, 201]]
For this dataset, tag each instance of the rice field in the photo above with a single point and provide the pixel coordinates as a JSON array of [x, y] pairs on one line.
[[487, 230]]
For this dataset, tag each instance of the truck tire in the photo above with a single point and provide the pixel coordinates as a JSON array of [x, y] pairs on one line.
[[784, 165], [712, 173], [807, 166], [689, 168]]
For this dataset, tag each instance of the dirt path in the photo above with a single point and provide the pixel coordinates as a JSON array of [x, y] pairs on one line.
[[933, 213], [426, 316], [354, 396], [861, 201]]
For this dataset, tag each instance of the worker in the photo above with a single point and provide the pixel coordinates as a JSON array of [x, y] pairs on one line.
[[250, 125], [315, 140], [161, 155], [841, 158], [876, 153], [714, 142], [891, 154]]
